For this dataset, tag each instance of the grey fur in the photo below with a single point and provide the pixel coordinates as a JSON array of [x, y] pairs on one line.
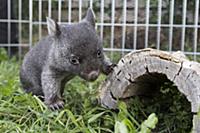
[[68, 50]]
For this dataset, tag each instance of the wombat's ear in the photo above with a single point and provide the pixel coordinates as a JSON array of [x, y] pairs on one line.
[[90, 17], [53, 27]]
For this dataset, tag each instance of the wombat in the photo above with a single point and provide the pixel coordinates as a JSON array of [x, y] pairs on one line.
[[68, 50]]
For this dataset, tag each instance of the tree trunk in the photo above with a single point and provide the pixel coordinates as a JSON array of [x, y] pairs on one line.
[[142, 71]]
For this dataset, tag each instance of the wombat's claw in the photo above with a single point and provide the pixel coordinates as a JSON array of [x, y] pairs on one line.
[[59, 104], [111, 67]]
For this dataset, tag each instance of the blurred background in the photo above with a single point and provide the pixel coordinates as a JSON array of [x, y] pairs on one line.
[[124, 25]]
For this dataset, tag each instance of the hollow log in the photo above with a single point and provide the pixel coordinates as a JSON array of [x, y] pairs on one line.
[[142, 71]]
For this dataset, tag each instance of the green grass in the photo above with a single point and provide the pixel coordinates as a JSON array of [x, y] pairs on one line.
[[21, 112]]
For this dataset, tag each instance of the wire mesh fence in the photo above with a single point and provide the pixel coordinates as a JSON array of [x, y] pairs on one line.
[[123, 25]]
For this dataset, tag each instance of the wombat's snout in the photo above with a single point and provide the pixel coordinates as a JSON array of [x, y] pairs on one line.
[[93, 75]]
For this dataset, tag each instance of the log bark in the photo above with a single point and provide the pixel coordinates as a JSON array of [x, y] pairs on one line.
[[142, 71]]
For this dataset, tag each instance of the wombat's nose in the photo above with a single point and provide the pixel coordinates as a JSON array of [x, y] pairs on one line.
[[93, 75]]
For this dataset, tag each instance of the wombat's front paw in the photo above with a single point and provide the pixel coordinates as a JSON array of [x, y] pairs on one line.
[[109, 68], [55, 105]]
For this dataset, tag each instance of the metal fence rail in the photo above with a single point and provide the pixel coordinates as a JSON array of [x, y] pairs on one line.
[[124, 25]]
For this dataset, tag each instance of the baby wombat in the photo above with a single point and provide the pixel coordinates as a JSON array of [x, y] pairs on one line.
[[68, 50]]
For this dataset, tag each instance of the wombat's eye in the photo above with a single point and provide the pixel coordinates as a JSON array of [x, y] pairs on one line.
[[99, 53], [74, 60]]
